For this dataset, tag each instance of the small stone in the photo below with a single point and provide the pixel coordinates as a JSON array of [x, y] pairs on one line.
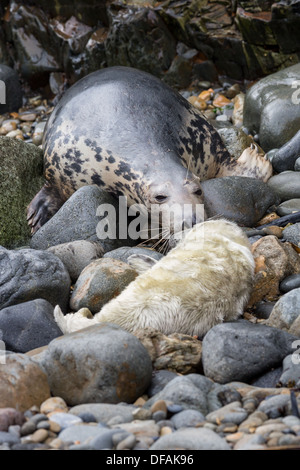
[[28, 428], [166, 430], [286, 312], [27, 117], [127, 443], [288, 207], [10, 416], [191, 439], [187, 418], [275, 406], [286, 185], [8, 126], [8, 438], [22, 383], [53, 404], [231, 413], [220, 101], [54, 427], [290, 283], [40, 435], [227, 428], [292, 233], [159, 405], [268, 428], [64, 420], [206, 95]]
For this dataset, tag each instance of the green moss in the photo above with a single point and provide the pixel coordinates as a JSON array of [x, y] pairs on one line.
[[21, 167]]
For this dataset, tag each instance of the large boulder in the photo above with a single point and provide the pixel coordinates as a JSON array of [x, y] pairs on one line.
[[21, 168], [10, 90], [272, 108]]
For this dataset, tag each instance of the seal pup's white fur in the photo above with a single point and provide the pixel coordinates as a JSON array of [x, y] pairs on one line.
[[204, 280]]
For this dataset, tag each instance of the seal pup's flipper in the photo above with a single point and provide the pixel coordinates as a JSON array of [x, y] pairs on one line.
[[73, 321], [141, 263]]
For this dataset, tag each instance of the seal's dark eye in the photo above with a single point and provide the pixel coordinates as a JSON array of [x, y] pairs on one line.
[[160, 198], [198, 192]]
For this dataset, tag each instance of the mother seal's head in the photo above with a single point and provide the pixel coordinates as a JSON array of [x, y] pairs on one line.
[[205, 280]]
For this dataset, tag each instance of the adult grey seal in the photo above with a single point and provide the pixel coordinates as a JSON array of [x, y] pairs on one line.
[[205, 280], [131, 134]]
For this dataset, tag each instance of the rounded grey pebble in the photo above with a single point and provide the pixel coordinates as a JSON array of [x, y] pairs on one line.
[[127, 443], [289, 283], [297, 165], [43, 424], [174, 408], [65, 420], [38, 417], [159, 415], [119, 436], [87, 417], [28, 428], [187, 418]]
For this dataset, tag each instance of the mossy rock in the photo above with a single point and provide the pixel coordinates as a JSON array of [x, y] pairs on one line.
[[21, 177]]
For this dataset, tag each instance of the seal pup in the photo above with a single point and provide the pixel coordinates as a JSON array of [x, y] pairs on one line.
[[204, 280], [132, 135]]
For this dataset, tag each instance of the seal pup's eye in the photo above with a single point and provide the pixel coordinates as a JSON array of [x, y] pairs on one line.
[[161, 198], [198, 192]]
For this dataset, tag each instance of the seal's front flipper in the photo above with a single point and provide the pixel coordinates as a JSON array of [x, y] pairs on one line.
[[141, 263], [251, 163], [43, 206]]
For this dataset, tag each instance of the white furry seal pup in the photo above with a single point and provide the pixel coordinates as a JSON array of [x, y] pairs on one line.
[[204, 280]]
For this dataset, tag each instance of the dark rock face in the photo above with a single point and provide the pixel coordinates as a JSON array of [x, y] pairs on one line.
[[238, 39]]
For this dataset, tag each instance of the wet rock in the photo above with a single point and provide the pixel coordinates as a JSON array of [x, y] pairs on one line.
[[28, 325], [22, 383], [290, 283], [271, 110], [290, 376], [104, 412], [77, 255], [10, 90], [77, 219], [292, 234], [286, 312], [124, 252], [274, 261], [9, 417], [187, 418], [288, 207], [240, 351], [286, 185], [241, 199], [184, 392], [21, 168], [35, 50], [268, 380], [191, 439], [28, 274], [285, 158], [119, 367], [263, 309], [160, 378], [99, 282], [137, 37], [177, 352], [231, 413]]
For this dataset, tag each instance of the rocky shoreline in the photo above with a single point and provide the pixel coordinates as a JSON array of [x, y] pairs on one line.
[[102, 388]]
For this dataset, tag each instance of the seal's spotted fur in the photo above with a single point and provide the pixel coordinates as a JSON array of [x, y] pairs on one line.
[[129, 133]]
